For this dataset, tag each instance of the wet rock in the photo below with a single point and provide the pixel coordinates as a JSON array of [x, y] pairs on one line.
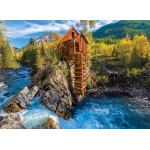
[[2, 85], [11, 121], [33, 72], [49, 124], [32, 93], [111, 90], [21, 100], [51, 100], [146, 98], [130, 93], [1, 117]]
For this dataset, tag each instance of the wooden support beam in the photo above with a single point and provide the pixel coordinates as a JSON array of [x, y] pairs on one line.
[[78, 76], [78, 68], [80, 86]]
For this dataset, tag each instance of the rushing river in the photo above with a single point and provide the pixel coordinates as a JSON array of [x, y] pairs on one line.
[[99, 112]]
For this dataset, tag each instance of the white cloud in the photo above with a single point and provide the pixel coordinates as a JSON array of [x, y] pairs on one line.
[[26, 27], [101, 23]]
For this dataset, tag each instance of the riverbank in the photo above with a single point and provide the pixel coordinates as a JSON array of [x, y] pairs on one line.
[[139, 96]]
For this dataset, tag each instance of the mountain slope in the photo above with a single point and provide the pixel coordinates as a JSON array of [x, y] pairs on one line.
[[121, 28], [44, 39], [16, 49]]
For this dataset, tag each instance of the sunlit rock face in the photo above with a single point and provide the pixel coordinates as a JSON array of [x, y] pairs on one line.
[[49, 123], [44, 39], [2, 84], [11, 121], [54, 79], [21, 100]]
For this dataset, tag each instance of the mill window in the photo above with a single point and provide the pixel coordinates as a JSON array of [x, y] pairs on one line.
[[72, 34], [77, 47]]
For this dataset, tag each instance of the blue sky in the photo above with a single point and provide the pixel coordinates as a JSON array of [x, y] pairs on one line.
[[22, 30]]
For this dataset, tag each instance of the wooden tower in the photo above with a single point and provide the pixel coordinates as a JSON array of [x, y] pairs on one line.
[[73, 48]]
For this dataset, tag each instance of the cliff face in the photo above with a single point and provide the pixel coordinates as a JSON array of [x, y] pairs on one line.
[[55, 93], [55, 80]]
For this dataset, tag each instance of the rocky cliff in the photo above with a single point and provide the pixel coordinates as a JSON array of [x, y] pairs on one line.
[[54, 89]]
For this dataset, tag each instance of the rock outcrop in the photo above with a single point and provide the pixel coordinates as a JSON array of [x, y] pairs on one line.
[[54, 79], [21, 100], [11, 121], [2, 85], [132, 93], [44, 39], [49, 124], [52, 101]]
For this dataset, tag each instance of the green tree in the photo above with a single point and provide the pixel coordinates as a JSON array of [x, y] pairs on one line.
[[30, 54], [43, 53], [7, 59]]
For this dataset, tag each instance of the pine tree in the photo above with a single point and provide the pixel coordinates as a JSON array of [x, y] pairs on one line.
[[43, 53], [2, 55], [7, 59], [135, 59], [30, 54]]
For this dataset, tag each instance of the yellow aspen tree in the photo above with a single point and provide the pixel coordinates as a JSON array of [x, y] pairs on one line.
[[125, 48], [141, 45]]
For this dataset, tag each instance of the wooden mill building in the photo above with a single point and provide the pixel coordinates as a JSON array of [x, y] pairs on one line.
[[73, 48]]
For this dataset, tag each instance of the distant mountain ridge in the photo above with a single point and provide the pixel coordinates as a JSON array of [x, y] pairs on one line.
[[121, 28], [48, 37], [16, 49], [44, 39]]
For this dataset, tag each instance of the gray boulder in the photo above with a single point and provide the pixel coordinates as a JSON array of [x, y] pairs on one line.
[[49, 124], [21, 100], [51, 101]]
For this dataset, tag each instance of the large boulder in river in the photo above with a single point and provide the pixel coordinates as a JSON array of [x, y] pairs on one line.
[[2, 85], [49, 123], [11, 121], [54, 79], [21, 100], [51, 100]]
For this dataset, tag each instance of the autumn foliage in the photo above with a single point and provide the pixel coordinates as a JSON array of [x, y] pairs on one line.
[[7, 58], [40, 56], [132, 52]]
